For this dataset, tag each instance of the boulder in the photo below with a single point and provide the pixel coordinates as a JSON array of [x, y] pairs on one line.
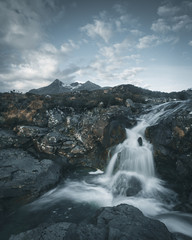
[[126, 185], [121, 222], [23, 176], [114, 132], [140, 141]]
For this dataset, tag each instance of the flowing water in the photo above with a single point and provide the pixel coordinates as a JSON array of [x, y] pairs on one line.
[[129, 178]]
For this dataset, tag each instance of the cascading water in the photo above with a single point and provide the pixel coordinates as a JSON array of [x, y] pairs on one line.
[[129, 178], [130, 175]]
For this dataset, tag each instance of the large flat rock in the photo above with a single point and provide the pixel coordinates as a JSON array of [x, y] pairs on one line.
[[22, 175]]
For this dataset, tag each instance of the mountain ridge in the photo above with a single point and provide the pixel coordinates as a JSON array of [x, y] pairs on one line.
[[58, 86]]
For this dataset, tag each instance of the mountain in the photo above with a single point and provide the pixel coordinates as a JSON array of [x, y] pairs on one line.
[[57, 87], [89, 86]]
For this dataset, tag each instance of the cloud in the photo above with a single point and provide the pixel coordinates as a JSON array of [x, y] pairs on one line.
[[136, 32], [167, 11], [182, 22], [31, 61], [69, 74], [113, 65], [114, 59], [19, 25], [23, 23], [100, 29], [148, 41], [173, 24], [38, 68], [68, 47], [188, 4], [35, 65], [119, 9], [110, 75], [105, 26], [173, 19], [160, 26], [117, 49], [49, 48], [190, 43]]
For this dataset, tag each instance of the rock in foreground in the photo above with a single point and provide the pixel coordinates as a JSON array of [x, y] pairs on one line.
[[121, 222], [23, 176], [110, 223]]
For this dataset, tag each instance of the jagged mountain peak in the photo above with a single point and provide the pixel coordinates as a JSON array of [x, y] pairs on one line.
[[57, 82], [58, 86]]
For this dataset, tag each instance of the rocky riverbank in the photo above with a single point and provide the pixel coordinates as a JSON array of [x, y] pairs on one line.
[[42, 137], [172, 142]]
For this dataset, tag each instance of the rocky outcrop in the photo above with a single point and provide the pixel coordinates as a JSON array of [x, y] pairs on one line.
[[46, 131], [23, 177], [172, 142], [121, 222]]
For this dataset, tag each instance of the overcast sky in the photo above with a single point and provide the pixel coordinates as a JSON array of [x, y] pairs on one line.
[[147, 43]]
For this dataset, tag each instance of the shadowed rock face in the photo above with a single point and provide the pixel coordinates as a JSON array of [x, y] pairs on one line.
[[114, 132], [172, 142]]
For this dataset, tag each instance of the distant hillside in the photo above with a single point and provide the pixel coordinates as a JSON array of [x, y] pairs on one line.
[[57, 87]]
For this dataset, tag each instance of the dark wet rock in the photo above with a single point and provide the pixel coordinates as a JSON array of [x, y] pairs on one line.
[[121, 222], [140, 141], [172, 142], [44, 232], [115, 133], [23, 176], [126, 185], [134, 188]]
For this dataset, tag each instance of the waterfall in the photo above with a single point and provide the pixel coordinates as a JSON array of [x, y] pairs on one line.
[[129, 178], [130, 156]]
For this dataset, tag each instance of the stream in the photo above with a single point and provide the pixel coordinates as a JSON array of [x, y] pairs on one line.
[[129, 178]]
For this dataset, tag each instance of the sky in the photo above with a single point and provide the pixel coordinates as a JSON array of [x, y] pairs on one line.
[[147, 43]]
